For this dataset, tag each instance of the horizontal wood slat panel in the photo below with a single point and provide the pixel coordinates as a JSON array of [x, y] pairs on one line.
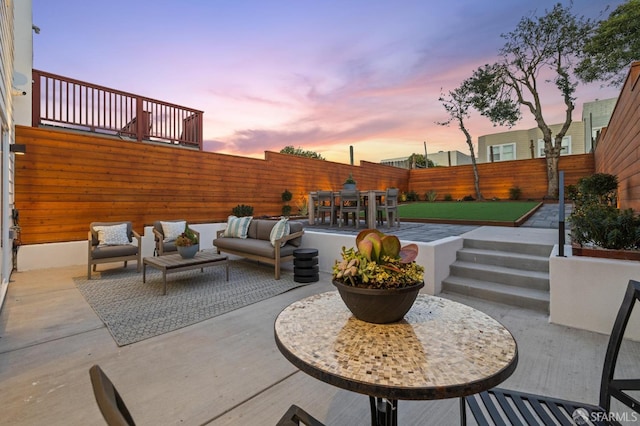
[[497, 178], [69, 179], [618, 149]]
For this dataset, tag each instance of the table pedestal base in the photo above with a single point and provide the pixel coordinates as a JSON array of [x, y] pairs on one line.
[[384, 412]]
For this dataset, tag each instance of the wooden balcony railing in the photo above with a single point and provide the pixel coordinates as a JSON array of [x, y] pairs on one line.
[[72, 104]]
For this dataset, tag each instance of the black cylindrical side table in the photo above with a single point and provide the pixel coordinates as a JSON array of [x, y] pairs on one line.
[[305, 265]]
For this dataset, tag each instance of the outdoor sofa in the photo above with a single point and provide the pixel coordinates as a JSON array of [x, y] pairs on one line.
[[252, 239]]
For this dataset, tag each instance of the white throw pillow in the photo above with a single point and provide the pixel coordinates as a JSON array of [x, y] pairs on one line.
[[279, 230], [112, 235], [172, 230], [237, 227]]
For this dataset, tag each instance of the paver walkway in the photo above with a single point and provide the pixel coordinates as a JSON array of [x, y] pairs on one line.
[[545, 217]]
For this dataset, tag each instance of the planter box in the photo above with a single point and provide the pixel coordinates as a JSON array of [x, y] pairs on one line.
[[605, 253]]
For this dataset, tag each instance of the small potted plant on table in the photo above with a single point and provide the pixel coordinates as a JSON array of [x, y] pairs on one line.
[[350, 182], [187, 243], [378, 280]]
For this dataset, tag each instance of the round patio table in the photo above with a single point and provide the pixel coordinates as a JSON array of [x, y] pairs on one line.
[[441, 349]]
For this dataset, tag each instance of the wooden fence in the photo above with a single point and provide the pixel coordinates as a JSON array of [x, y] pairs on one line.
[[68, 180], [618, 149], [497, 178]]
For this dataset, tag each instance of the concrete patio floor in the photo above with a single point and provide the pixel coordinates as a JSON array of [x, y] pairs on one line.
[[227, 370]]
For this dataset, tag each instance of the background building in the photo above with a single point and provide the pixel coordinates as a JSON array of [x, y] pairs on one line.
[[525, 144], [440, 158]]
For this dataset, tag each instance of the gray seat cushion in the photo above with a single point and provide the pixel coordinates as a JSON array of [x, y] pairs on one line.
[[104, 252], [252, 246]]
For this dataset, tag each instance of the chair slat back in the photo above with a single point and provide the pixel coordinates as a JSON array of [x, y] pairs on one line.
[[350, 198], [325, 198], [391, 197]]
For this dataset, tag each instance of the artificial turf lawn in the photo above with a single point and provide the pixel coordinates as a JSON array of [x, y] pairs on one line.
[[500, 211]]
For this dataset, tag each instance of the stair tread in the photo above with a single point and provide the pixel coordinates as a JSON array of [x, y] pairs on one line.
[[510, 246], [529, 293], [501, 269], [504, 253]]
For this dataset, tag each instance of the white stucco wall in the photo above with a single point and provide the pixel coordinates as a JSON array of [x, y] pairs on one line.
[[54, 255], [586, 292], [434, 256]]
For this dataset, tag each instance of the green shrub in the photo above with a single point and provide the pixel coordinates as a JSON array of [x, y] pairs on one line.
[[431, 195], [595, 219], [286, 196], [600, 188], [286, 210], [448, 197], [412, 196], [468, 198], [241, 210], [515, 193], [605, 226]]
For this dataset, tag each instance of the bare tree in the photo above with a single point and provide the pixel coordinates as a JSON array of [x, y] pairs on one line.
[[457, 103]]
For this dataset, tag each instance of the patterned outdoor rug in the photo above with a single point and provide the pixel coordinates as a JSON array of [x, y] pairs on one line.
[[133, 311]]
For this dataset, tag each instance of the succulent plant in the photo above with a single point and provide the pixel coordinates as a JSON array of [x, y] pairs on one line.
[[378, 261], [187, 238]]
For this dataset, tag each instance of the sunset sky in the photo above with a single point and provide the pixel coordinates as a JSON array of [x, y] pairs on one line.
[[320, 75]]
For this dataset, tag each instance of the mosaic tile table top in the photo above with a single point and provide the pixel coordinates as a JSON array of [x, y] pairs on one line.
[[442, 349]]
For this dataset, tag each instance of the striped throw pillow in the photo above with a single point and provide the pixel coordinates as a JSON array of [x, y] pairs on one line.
[[237, 227], [279, 230]]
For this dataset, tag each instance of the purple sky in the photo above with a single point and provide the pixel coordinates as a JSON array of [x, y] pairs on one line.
[[320, 75]]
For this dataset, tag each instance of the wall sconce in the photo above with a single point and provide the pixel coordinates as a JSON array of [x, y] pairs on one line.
[[18, 148]]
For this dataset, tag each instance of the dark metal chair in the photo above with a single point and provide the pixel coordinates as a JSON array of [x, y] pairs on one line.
[[296, 416], [350, 204], [111, 405], [506, 407]]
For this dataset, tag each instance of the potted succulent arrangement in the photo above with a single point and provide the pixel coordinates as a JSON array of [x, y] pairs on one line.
[[187, 243], [350, 182], [378, 280]]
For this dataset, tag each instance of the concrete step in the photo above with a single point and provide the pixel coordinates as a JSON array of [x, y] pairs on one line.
[[496, 292], [502, 275], [507, 259], [510, 247]]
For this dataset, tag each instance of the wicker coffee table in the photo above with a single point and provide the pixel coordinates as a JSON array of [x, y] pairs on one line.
[[176, 263]]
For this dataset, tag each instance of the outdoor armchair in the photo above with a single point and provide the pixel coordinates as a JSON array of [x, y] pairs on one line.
[[112, 242], [165, 233]]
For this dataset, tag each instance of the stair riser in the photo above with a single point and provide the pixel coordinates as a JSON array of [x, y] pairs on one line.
[[490, 258], [501, 277], [508, 299], [534, 249]]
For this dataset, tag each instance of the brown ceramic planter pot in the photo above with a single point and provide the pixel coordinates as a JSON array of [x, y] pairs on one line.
[[379, 306], [603, 253]]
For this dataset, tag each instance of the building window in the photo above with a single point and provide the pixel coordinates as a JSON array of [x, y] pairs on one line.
[[565, 150], [502, 152]]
